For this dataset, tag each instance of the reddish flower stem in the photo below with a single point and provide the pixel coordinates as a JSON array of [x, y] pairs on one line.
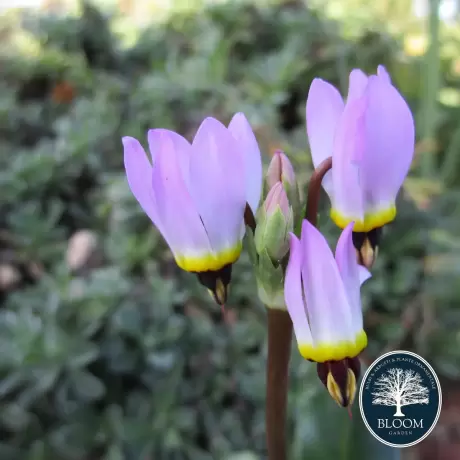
[[279, 345], [279, 351], [314, 188]]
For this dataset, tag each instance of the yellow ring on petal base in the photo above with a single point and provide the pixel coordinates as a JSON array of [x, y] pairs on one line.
[[209, 262], [371, 220], [325, 351]]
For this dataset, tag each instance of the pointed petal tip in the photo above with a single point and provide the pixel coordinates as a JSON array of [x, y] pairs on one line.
[[293, 240], [357, 84], [292, 236], [344, 243], [382, 73], [239, 121], [209, 127], [347, 232], [277, 197], [358, 73], [307, 227], [240, 116], [156, 137], [210, 119], [162, 133], [280, 169], [134, 153], [159, 137], [316, 242], [240, 127], [210, 123], [319, 81], [350, 225], [127, 141], [318, 84], [364, 274], [242, 130], [155, 131]]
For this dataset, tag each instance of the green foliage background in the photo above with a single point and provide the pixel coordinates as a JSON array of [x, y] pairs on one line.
[[127, 357]]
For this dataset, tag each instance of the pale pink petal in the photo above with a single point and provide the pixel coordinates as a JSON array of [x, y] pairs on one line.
[[389, 139], [352, 276], [323, 111], [357, 84], [348, 159], [139, 175], [280, 169], [364, 274], [218, 184], [293, 294], [249, 151], [181, 148], [327, 303], [277, 199], [182, 226], [383, 74]]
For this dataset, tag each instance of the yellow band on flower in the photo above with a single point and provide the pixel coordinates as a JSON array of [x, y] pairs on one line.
[[325, 351], [209, 262], [371, 220]]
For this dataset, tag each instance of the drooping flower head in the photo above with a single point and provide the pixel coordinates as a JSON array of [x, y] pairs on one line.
[[322, 296], [371, 140], [196, 194]]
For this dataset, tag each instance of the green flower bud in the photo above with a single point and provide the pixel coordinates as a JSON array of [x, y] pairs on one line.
[[269, 245], [274, 222]]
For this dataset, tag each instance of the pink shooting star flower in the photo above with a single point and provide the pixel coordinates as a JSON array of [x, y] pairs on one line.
[[371, 140], [196, 194], [322, 295]]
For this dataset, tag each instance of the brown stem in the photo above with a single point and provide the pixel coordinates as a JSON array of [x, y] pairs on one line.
[[279, 345], [314, 187], [279, 350]]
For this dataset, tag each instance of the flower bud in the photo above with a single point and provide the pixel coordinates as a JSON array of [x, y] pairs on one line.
[[280, 170], [277, 198], [274, 222]]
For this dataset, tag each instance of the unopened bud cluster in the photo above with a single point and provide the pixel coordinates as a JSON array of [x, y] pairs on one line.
[[275, 221]]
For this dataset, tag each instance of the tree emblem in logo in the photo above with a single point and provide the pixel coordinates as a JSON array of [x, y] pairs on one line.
[[399, 387]]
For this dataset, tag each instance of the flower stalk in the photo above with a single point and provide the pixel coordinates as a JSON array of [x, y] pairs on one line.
[[279, 345], [314, 187], [279, 353]]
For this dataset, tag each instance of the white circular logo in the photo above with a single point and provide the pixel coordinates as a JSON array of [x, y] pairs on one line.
[[400, 399]]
